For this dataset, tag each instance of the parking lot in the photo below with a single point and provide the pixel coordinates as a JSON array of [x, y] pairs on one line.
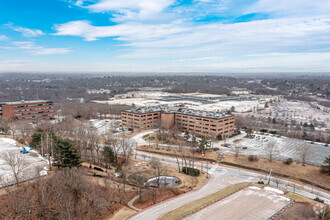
[[286, 148], [249, 203]]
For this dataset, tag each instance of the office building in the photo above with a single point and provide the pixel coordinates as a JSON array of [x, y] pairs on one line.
[[27, 109], [195, 121]]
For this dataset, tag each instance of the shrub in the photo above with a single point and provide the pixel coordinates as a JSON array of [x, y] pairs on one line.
[[263, 130], [317, 199], [145, 136], [323, 170], [190, 171], [324, 213], [252, 158], [98, 168], [288, 161], [261, 182], [273, 132]]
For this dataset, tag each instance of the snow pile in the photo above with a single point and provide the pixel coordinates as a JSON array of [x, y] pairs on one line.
[[274, 190], [285, 198], [8, 141], [254, 187]]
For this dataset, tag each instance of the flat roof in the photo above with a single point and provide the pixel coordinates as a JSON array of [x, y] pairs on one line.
[[203, 114], [184, 111], [23, 102]]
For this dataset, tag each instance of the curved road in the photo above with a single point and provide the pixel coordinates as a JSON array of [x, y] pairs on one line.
[[220, 177]]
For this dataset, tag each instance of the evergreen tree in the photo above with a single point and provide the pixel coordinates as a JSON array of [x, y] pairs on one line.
[[327, 164], [186, 135], [274, 121], [109, 155], [194, 141], [305, 125], [232, 109], [67, 154], [249, 131], [219, 137], [36, 138], [203, 144]]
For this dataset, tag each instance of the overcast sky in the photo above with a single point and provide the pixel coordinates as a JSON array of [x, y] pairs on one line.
[[165, 35]]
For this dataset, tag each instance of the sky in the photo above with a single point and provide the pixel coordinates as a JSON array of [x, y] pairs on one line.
[[165, 36]]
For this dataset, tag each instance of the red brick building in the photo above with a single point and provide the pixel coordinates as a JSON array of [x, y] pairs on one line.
[[196, 122], [27, 109]]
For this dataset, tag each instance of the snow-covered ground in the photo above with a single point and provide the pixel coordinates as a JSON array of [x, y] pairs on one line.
[[103, 126], [36, 164], [286, 148]]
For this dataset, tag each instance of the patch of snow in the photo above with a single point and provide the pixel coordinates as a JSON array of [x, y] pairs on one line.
[[285, 198], [8, 141], [43, 173], [274, 190], [254, 187]]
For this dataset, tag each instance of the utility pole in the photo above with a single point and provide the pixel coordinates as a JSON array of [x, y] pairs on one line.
[[42, 146], [270, 173]]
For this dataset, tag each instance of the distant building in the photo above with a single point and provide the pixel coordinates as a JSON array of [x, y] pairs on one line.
[[27, 109], [195, 121]]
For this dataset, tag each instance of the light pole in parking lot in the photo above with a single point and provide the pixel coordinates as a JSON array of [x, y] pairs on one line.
[[270, 173]]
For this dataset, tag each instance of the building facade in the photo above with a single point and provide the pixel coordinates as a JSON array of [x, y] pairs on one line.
[[196, 122], [27, 109]]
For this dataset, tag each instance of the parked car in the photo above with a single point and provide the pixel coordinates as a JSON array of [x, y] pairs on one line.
[[244, 148], [216, 148], [326, 145]]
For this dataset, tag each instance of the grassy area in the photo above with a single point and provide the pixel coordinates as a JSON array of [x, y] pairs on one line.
[[187, 209], [123, 213], [300, 198], [211, 155], [295, 170]]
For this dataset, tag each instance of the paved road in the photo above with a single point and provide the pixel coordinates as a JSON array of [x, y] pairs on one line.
[[216, 183]]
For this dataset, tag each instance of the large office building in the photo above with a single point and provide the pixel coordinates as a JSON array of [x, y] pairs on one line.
[[195, 121], [27, 109]]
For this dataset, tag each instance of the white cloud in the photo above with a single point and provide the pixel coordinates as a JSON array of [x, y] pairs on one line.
[[300, 8], [3, 37], [37, 50], [128, 9], [125, 32], [26, 31], [183, 39]]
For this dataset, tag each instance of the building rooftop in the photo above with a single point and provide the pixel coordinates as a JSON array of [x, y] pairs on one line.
[[23, 102], [205, 114], [184, 111], [149, 109]]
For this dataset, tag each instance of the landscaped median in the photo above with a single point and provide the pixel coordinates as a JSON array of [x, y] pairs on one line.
[[202, 203]]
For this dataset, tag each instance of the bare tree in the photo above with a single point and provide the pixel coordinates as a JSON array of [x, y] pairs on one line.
[[303, 152], [125, 147], [158, 170], [237, 149], [271, 150], [16, 162]]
